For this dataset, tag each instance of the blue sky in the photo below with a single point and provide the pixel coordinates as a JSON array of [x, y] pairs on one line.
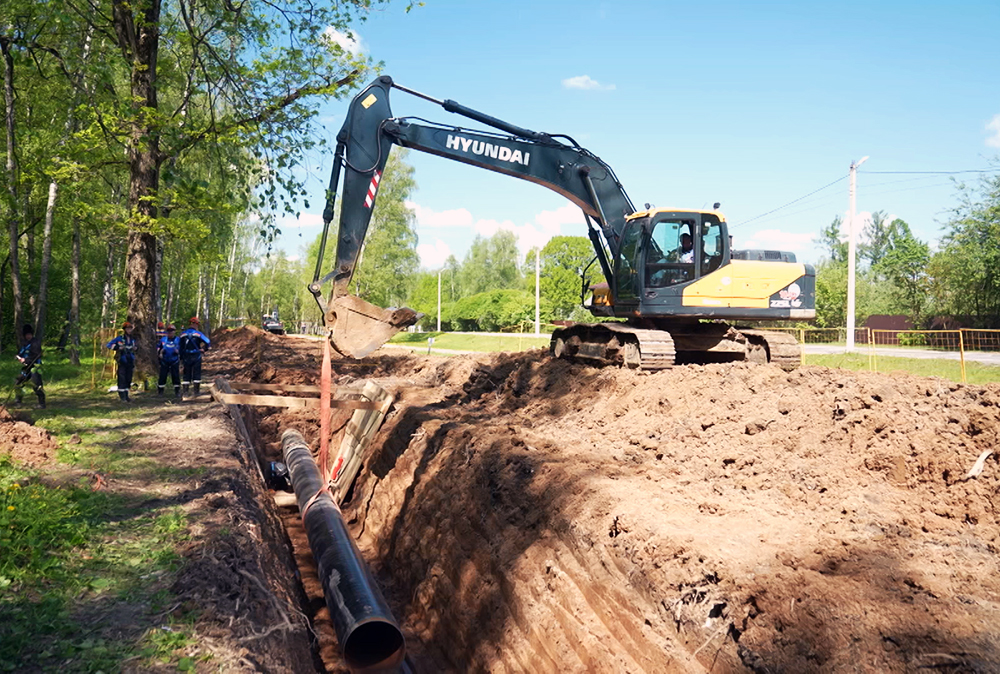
[[749, 104]]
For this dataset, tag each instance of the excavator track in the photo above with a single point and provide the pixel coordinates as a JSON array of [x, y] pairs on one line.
[[615, 343], [783, 349], [651, 350]]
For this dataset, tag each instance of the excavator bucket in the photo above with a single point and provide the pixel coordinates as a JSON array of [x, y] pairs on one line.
[[359, 327]]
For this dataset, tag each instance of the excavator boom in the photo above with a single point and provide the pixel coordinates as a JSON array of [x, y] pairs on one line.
[[363, 146]]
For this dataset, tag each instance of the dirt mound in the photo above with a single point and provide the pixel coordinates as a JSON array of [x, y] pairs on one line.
[[25, 443], [529, 514], [551, 516]]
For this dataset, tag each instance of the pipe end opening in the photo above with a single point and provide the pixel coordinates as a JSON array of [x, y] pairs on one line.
[[374, 646]]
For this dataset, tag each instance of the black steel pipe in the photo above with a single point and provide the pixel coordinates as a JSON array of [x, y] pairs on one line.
[[369, 636]]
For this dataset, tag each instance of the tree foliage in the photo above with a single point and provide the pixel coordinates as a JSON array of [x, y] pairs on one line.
[[563, 260], [966, 272]]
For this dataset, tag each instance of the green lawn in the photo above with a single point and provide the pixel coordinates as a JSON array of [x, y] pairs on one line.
[[976, 373], [70, 553], [466, 342]]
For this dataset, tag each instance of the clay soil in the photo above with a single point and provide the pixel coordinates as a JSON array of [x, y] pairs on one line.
[[529, 514], [23, 442]]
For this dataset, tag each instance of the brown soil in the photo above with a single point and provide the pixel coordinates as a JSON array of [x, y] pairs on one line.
[[526, 514], [25, 443]]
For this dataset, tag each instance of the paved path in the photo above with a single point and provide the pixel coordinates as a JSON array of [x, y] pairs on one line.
[[986, 357]]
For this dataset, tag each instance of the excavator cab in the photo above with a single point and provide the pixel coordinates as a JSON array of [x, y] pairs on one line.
[[681, 247]]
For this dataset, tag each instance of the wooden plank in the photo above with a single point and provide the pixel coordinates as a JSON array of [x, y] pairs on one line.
[[254, 386], [360, 431], [291, 388], [289, 401]]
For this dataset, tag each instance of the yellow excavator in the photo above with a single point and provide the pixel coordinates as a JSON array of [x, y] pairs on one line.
[[671, 278]]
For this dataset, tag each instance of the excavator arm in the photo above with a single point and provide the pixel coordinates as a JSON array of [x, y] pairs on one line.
[[363, 145]]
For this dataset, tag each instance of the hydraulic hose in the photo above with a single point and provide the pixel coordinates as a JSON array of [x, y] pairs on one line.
[[369, 636]]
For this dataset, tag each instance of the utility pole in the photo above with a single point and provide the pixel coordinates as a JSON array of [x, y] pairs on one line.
[[852, 252], [439, 300], [538, 295]]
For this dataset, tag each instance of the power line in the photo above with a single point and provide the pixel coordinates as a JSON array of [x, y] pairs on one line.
[[793, 201], [940, 173]]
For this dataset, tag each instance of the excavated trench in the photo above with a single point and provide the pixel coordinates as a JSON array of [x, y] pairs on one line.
[[527, 514]]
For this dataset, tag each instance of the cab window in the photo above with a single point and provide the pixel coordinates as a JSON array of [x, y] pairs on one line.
[[628, 257], [711, 246], [670, 257]]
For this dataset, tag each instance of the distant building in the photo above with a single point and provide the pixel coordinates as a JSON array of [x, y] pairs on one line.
[[893, 323]]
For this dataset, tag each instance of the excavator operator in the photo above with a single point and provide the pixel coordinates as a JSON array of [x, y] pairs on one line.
[[686, 252]]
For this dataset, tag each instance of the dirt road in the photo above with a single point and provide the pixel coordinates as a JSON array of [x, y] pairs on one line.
[[526, 514]]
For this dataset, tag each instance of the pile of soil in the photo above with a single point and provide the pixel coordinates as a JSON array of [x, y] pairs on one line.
[[529, 514], [25, 443]]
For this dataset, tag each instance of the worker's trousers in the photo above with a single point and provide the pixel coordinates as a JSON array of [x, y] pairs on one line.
[[125, 371], [192, 375], [174, 370], [36, 383]]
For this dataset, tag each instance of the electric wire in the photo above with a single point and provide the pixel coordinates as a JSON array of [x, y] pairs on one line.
[[793, 201], [942, 173], [927, 175]]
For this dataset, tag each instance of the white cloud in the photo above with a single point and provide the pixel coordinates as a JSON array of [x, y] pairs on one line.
[[994, 128], [776, 239], [293, 258], [304, 221], [433, 256], [352, 44], [458, 217], [552, 221], [587, 83]]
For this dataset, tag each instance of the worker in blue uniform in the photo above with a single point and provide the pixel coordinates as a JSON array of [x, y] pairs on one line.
[[124, 347], [193, 344], [169, 352], [30, 357]]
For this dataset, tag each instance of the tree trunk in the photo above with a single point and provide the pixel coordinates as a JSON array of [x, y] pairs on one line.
[[74, 297], [3, 272], [171, 284], [229, 281], [201, 290], [139, 39], [109, 280], [41, 306], [14, 221], [207, 305], [159, 281]]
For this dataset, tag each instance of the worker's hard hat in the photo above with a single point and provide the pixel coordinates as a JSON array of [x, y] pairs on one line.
[[126, 325], [195, 321], [170, 327], [159, 325]]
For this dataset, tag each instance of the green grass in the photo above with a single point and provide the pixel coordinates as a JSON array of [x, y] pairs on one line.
[[72, 558], [976, 373], [68, 555], [466, 342]]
